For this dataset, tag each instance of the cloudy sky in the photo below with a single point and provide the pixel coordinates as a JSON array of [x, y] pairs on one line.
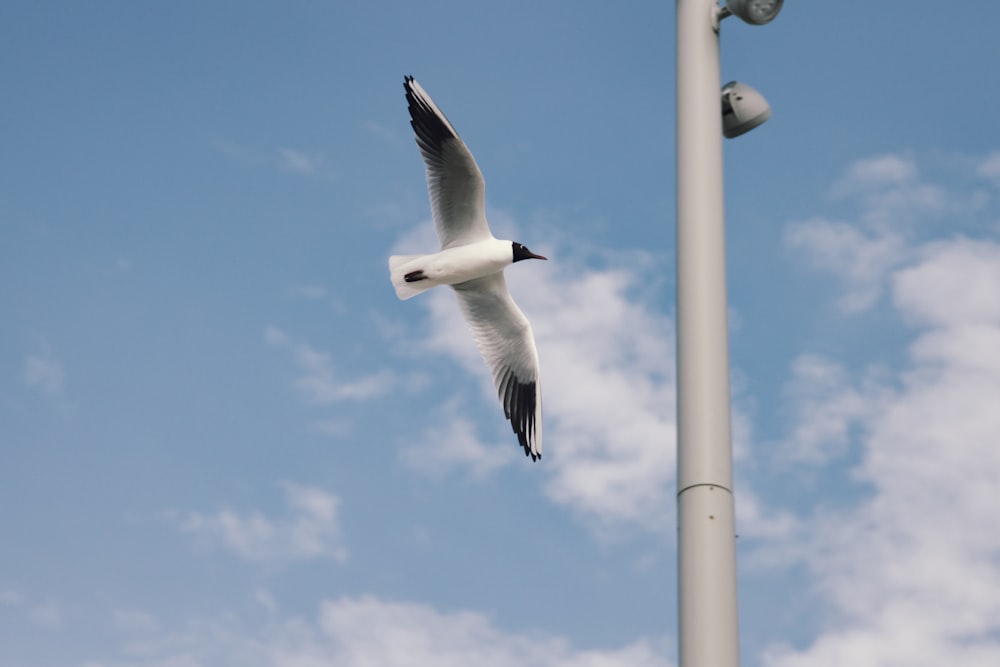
[[225, 442]]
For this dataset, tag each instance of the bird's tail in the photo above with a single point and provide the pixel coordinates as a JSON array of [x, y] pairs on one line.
[[399, 267]]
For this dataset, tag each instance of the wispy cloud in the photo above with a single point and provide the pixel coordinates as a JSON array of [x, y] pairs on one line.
[[310, 530], [47, 614], [896, 207], [293, 160], [310, 292], [44, 613], [133, 621], [828, 408], [455, 446], [401, 633], [366, 631], [334, 428], [875, 173], [299, 162], [861, 259], [319, 383], [44, 373], [891, 191], [385, 133], [989, 168], [10, 597]]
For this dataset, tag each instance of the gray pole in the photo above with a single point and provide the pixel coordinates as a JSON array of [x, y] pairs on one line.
[[708, 626]]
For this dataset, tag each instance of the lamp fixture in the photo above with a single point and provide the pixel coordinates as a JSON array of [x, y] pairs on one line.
[[754, 12], [743, 109]]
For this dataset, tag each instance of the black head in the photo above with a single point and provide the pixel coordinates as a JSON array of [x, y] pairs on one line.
[[520, 252]]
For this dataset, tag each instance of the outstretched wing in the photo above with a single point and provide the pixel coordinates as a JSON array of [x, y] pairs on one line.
[[455, 183], [507, 344]]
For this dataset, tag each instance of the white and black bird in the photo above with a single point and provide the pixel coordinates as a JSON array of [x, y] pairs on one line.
[[472, 261]]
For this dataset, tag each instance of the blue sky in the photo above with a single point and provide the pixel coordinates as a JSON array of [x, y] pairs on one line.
[[225, 441]]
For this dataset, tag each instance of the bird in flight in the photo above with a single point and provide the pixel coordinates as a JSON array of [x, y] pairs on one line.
[[472, 261]]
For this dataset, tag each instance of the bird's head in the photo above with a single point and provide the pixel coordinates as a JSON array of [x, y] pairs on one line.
[[521, 252]]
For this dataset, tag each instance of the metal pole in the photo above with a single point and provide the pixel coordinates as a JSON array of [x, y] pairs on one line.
[[708, 627]]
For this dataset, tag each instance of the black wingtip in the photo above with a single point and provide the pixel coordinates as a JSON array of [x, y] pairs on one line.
[[519, 401], [431, 127]]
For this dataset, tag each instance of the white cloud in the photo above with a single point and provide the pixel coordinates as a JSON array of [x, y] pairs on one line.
[[909, 573], [333, 428], [311, 530], [607, 362], [875, 173], [319, 386], [44, 373], [828, 408], [308, 291], [369, 632], [891, 192], [860, 259], [455, 446], [608, 358], [896, 207], [10, 597], [299, 162], [956, 283], [285, 159], [989, 168], [383, 132], [47, 614], [133, 621], [237, 152], [319, 383], [755, 520], [44, 613]]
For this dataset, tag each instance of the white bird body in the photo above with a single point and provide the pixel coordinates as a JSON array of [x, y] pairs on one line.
[[450, 266], [472, 262]]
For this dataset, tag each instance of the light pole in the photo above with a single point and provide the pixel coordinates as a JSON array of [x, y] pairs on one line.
[[708, 622]]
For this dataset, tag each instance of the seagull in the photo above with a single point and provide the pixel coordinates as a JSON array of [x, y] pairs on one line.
[[471, 261]]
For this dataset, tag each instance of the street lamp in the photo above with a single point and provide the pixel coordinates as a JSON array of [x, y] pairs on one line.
[[708, 622]]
